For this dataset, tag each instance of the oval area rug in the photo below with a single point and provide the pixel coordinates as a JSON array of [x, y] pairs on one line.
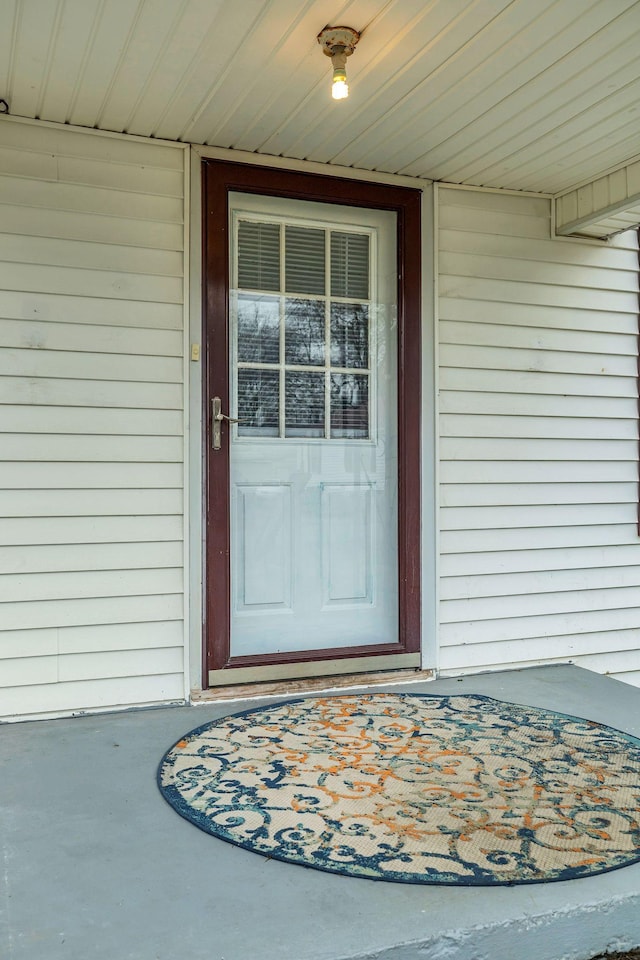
[[415, 788]]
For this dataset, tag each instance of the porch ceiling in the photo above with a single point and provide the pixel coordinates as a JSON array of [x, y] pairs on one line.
[[505, 93]]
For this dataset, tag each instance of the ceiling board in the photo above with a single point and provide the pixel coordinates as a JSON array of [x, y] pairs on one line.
[[499, 106], [503, 93]]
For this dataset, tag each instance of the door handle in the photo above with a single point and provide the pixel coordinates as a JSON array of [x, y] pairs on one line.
[[217, 416]]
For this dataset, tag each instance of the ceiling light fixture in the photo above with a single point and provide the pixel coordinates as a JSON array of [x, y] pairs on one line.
[[339, 43]]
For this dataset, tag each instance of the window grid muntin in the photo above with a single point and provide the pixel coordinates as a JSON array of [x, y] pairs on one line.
[[328, 299]]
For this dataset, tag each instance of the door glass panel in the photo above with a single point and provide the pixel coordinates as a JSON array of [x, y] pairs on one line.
[[349, 406], [304, 260], [349, 335], [258, 403], [350, 265], [304, 332], [304, 404], [258, 329], [258, 256]]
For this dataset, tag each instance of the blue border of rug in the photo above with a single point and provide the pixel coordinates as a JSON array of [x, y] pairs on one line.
[[200, 820]]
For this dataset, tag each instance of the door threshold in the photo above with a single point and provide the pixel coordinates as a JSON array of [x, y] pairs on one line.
[[253, 691]]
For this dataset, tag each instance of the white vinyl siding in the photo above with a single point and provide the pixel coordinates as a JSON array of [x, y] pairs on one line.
[[91, 415], [540, 556]]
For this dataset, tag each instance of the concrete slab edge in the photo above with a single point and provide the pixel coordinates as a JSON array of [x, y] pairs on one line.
[[571, 933]]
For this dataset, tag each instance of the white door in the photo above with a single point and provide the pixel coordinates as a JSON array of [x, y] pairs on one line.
[[313, 456]]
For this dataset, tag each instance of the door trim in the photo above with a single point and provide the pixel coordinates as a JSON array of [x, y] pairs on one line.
[[219, 179]]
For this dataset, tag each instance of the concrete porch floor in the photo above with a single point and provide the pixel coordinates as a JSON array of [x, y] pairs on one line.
[[97, 866]]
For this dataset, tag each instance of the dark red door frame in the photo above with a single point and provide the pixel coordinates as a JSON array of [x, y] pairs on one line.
[[219, 179]]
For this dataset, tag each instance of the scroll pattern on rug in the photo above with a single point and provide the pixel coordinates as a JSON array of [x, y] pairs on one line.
[[415, 788]]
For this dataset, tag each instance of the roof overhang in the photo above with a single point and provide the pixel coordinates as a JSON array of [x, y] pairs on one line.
[[603, 207]]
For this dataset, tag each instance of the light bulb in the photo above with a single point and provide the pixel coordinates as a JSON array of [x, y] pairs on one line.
[[340, 89], [338, 43]]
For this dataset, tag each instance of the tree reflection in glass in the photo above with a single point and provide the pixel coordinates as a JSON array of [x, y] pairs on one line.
[[258, 403], [304, 332], [349, 335], [304, 404], [258, 329], [349, 406]]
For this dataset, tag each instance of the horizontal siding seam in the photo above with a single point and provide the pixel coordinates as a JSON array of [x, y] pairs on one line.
[[537, 347], [78, 131], [487, 192], [544, 285], [531, 258], [90, 653], [84, 296], [87, 184], [506, 259], [537, 284], [44, 350], [122, 188], [178, 221], [57, 153], [96, 267]]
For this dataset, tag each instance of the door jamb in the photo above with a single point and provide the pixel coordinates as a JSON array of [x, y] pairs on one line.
[[219, 177]]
